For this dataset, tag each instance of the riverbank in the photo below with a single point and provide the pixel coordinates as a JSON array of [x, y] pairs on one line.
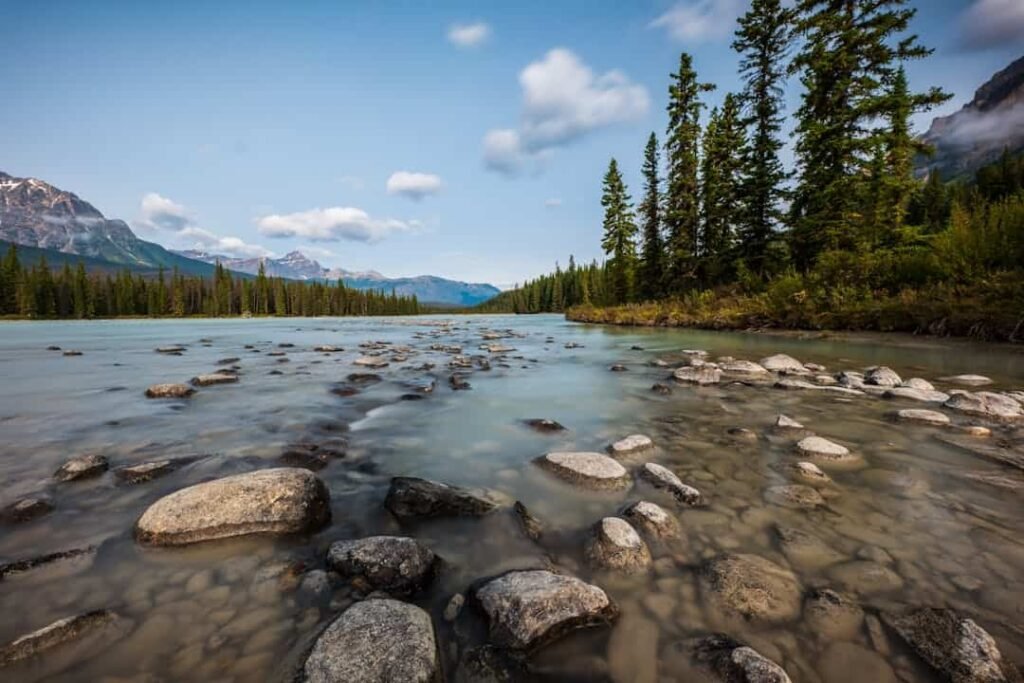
[[987, 316]]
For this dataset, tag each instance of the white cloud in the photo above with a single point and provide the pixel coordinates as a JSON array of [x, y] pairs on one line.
[[699, 20], [332, 224], [553, 203], [991, 23], [173, 224], [413, 185], [563, 100], [469, 35]]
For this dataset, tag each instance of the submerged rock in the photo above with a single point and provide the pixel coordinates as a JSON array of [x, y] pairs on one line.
[[614, 544], [809, 472], [280, 501], [146, 471], [543, 425], [931, 417], [652, 520], [634, 443], [411, 497], [64, 643], [82, 467], [530, 525], [589, 470], [917, 394], [660, 388], [79, 557], [967, 380], [729, 661], [395, 564], [26, 509], [744, 369], [663, 478], [833, 616], [865, 577], [375, 641], [804, 550], [700, 375], [954, 645], [986, 404], [795, 496], [169, 391], [371, 362], [528, 609], [171, 350], [751, 587], [214, 378]]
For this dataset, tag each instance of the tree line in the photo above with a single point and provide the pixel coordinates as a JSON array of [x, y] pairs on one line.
[[37, 291], [718, 209]]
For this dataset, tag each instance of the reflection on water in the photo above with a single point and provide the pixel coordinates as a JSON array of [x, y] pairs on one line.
[[906, 528]]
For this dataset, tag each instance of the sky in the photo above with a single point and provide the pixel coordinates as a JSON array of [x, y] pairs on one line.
[[466, 140]]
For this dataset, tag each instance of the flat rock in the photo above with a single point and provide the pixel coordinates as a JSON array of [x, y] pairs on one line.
[[918, 383], [702, 375], [614, 544], [931, 417], [82, 467], [371, 362], [54, 648], [954, 645], [986, 404], [780, 362], [789, 383], [327, 348], [634, 443], [172, 350], [822, 448], [278, 501], [805, 550], [414, 498], [752, 587], [147, 471], [796, 496], [213, 378], [882, 376], [728, 661], [663, 478], [783, 422], [27, 509], [376, 641], [169, 391], [394, 564], [917, 394], [527, 609], [744, 368], [589, 470], [652, 520], [809, 472], [967, 380]]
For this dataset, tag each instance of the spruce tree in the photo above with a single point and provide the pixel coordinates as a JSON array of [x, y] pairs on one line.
[[721, 187], [762, 39], [681, 211], [619, 234], [652, 260]]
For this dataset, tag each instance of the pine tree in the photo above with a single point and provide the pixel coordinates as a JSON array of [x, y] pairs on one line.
[[681, 212], [762, 38], [619, 233], [651, 273], [721, 190], [852, 52]]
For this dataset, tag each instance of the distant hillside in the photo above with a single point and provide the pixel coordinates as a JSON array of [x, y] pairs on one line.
[[298, 266], [977, 134]]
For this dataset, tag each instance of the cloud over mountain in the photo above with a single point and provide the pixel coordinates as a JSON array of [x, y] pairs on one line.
[[563, 100], [992, 23], [173, 223]]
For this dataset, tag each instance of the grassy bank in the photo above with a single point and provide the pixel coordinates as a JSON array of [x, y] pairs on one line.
[[992, 312]]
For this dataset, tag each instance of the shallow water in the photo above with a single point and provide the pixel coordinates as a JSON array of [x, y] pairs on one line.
[[238, 610]]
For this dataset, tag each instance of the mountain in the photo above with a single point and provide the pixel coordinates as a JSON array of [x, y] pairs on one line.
[[977, 134], [297, 266], [36, 214]]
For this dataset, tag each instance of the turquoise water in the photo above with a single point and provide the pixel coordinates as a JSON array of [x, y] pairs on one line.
[[233, 611]]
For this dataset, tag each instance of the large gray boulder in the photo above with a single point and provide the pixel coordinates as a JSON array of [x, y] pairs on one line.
[[587, 470], [954, 645], [278, 501], [986, 404], [395, 564], [528, 609], [414, 498], [614, 544], [751, 587], [376, 641]]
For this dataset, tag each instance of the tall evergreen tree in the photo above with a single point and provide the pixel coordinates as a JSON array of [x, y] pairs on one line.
[[651, 273], [619, 240], [852, 52], [762, 39], [681, 210], [721, 190]]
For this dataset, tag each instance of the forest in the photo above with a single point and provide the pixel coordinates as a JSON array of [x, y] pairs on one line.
[[723, 235], [38, 292]]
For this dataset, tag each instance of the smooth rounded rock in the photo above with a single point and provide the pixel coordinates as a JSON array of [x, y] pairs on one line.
[[751, 587], [634, 443], [729, 661], [700, 375], [412, 498], [780, 362], [169, 391], [809, 472], [394, 564], [663, 478], [614, 544], [83, 467], [917, 394], [986, 404], [822, 448], [527, 609], [918, 383], [652, 520], [882, 377], [278, 501], [930, 417], [589, 470], [376, 641]]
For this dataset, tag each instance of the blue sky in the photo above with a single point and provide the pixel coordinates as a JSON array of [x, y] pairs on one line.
[[466, 140]]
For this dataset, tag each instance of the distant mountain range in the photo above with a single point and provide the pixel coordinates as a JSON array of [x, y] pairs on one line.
[[977, 134], [297, 266], [47, 221]]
